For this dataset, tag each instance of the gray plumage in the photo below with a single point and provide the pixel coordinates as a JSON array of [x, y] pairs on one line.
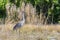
[[21, 23]]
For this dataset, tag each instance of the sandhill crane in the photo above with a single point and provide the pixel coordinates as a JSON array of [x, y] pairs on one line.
[[20, 23]]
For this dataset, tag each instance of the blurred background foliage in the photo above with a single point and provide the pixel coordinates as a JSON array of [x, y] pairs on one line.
[[50, 9]]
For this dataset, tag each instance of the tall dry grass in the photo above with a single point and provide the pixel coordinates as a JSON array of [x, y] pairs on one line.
[[14, 13], [30, 32], [30, 13]]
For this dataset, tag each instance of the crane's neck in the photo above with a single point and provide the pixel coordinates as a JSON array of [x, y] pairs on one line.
[[23, 17]]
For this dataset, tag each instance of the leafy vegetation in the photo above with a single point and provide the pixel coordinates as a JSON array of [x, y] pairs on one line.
[[50, 9]]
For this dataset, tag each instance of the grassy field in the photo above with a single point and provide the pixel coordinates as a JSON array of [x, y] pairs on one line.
[[30, 32]]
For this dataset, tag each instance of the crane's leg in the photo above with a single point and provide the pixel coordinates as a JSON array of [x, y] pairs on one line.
[[16, 31], [19, 33]]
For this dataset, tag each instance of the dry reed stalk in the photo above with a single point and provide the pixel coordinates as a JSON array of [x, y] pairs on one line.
[[33, 14], [30, 13], [10, 9], [13, 13], [27, 10]]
